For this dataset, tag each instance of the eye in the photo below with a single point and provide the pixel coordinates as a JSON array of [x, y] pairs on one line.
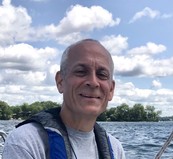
[[103, 74], [80, 72]]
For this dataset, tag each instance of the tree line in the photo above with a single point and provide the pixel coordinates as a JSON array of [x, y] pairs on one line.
[[125, 113], [120, 113]]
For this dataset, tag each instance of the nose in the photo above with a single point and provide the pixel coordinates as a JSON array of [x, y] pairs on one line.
[[92, 81]]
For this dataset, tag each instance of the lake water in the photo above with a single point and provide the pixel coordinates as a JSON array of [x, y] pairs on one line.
[[141, 140]]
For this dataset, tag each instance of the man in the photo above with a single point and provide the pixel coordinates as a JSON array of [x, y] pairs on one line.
[[86, 81]]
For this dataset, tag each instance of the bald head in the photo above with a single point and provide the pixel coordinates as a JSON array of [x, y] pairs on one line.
[[83, 46]]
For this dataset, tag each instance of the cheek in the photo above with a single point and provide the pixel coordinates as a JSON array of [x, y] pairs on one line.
[[110, 93], [110, 96], [69, 86]]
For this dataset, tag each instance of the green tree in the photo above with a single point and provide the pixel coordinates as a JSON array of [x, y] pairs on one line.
[[102, 117], [151, 114], [119, 113], [122, 112], [49, 105], [137, 113], [16, 112], [5, 111], [25, 110], [45, 105], [111, 114]]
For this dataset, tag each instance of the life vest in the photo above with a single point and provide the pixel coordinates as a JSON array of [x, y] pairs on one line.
[[59, 144]]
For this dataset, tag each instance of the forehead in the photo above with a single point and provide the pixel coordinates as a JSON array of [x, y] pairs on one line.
[[89, 53]]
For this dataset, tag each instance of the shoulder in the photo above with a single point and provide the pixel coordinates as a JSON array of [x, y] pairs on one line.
[[114, 141], [28, 139], [117, 147], [28, 131]]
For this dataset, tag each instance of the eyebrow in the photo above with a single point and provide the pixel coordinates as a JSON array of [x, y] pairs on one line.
[[88, 66]]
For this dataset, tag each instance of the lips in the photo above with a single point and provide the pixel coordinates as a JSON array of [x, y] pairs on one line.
[[89, 96]]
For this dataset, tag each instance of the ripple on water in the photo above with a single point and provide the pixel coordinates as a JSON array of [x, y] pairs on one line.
[[141, 140]]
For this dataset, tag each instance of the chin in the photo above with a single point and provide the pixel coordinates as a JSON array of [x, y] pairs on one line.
[[93, 111]]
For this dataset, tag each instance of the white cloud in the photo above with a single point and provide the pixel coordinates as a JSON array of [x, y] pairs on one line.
[[156, 84], [74, 24], [123, 65], [54, 68], [115, 44], [34, 77], [18, 94], [128, 93], [159, 68], [14, 23], [30, 78], [24, 64], [142, 67], [141, 62], [148, 12], [149, 49], [24, 57], [131, 92], [165, 16], [165, 92], [79, 18], [68, 39], [6, 2]]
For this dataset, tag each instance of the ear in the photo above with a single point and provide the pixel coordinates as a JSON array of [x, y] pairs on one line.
[[111, 93], [59, 80]]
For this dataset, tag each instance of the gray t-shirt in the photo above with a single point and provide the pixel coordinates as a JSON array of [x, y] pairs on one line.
[[26, 142]]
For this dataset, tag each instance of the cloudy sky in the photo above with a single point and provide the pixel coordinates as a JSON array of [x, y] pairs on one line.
[[139, 35]]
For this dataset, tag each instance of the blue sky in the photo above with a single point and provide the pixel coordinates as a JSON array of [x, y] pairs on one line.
[[139, 36]]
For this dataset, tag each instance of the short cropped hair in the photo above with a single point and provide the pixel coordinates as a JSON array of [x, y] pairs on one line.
[[64, 58]]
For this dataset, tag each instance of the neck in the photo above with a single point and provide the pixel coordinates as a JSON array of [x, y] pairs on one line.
[[77, 121]]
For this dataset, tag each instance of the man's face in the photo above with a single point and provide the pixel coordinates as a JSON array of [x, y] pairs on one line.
[[87, 86]]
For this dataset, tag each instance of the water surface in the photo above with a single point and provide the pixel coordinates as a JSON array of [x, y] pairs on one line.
[[141, 140]]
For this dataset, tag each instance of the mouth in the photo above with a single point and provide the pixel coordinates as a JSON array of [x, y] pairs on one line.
[[89, 96]]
